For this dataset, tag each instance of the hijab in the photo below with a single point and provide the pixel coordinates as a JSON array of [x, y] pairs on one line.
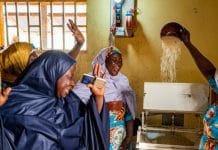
[[43, 73], [35, 118], [37, 86]]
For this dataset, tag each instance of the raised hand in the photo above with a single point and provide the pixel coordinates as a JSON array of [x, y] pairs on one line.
[[185, 35], [79, 39], [204, 64], [76, 32]]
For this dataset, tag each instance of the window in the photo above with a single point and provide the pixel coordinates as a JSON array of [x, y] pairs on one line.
[[44, 23]]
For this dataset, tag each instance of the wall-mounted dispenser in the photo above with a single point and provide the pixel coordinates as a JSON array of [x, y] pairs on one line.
[[122, 18]]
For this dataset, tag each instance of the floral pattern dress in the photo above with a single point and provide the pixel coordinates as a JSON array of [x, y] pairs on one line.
[[117, 127], [209, 140]]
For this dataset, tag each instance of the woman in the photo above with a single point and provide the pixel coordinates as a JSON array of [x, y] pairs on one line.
[[210, 72], [18, 55], [42, 112], [119, 97]]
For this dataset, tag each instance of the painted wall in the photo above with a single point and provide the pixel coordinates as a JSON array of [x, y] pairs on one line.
[[142, 53]]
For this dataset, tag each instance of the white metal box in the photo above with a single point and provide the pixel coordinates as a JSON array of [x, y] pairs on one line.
[[175, 97]]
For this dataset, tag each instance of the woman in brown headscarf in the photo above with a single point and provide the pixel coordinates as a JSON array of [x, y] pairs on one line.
[[14, 60], [17, 56]]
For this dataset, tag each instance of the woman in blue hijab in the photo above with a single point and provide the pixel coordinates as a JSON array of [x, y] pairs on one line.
[[43, 113]]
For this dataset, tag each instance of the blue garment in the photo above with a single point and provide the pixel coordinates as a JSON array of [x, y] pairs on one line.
[[34, 118], [118, 127], [213, 84], [210, 121], [210, 134]]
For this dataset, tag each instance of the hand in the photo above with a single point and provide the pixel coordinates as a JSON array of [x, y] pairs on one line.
[[98, 92], [76, 32], [185, 36], [129, 134], [120, 114], [4, 96], [125, 144]]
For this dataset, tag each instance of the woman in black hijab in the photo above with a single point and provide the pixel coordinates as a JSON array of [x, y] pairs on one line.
[[43, 113]]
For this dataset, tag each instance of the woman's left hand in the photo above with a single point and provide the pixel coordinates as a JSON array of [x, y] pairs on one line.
[[76, 32]]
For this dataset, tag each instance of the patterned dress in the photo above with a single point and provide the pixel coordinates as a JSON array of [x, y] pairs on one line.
[[117, 126], [209, 140]]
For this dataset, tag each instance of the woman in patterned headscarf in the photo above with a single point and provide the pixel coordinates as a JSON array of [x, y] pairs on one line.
[[119, 97]]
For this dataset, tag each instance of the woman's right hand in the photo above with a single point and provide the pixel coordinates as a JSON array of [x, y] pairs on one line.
[[4, 95], [97, 91], [185, 36]]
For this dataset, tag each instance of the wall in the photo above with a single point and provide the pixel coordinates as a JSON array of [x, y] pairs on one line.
[[142, 53]]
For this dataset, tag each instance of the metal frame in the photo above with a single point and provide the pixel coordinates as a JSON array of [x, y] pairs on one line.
[[144, 128], [149, 135]]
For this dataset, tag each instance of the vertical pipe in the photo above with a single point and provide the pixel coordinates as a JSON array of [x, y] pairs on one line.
[[44, 25], [28, 20], [75, 12], [51, 15], [63, 24], [40, 29], [17, 24], [6, 22]]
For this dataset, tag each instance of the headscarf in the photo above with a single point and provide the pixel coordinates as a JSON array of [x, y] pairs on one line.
[[43, 73], [114, 51], [102, 55], [14, 60]]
